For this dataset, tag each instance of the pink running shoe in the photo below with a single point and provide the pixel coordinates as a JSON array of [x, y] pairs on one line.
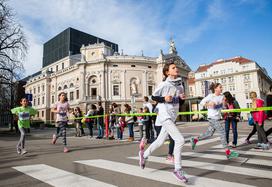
[[54, 139], [180, 175], [170, 159], [142, 144], [65, 150]]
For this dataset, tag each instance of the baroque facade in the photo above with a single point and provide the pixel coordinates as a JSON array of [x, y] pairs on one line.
[[99, 74]]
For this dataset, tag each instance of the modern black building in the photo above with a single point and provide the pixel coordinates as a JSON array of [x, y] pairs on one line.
[[69, 42]]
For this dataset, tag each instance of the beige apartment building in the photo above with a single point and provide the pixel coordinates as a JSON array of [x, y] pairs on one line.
[[238, 75], [99, 74]]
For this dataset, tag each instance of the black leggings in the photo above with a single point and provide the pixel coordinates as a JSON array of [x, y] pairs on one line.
[[254, 130]]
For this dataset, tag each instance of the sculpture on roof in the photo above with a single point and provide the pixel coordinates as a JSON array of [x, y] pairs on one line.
[[172, 49]]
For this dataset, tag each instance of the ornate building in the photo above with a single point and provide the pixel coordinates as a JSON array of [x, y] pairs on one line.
[[238, 75], [100, 74]]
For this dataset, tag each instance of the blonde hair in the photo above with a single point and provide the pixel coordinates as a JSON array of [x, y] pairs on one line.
[[252, 94]]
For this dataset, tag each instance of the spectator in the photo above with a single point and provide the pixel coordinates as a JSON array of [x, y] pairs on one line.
[[100, 121], [231, 118], [90, 121], [130, 122]]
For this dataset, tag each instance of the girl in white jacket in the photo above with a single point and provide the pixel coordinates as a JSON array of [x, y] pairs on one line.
[[168, 94]]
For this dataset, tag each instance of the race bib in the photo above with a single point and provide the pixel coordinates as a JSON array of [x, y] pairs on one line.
[[24, 116]]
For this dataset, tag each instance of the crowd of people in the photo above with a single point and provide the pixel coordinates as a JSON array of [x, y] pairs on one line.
[[155, 129]]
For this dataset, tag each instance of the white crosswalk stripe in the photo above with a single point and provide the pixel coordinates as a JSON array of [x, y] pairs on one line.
[[216, 167], [203, 142], [58, 177], [255, 153], [157, 175], [223, 157]]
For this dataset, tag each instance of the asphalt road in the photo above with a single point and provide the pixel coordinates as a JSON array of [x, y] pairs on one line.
[[93, 162]]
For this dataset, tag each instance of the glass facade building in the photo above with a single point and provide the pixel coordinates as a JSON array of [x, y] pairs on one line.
[[69, 42]]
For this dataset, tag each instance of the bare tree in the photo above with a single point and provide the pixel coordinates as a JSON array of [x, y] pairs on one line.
[[13, 49], [13, 46]]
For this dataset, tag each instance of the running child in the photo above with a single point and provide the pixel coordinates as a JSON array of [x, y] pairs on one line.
[[170, 93], [214, 102], [24, 112], [61, 108]]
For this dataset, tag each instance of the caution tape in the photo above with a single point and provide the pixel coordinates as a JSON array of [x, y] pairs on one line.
[[179, 113]]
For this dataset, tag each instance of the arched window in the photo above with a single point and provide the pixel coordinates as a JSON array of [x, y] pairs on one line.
[[71, 85], [93, 87], [59, 88], [65, 87]]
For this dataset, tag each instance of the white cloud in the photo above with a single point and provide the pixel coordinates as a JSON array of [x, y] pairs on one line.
[[129, 25]]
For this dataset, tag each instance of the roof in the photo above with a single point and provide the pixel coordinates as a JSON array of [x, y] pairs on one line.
[[240, 60]]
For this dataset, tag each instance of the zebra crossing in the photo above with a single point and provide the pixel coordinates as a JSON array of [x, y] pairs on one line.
[[212, 160]]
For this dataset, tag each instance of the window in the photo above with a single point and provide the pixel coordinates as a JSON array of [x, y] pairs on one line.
[[62, 65], [115, 89], [43, 88], [247, 95], [65, 87], [133, 66], [34, 102], [246, 77], [42, 113], [231, 87], [71, 96], [57, 68], [38, 114], [249, 105], [93, 93], [231, 79], [34, 90], [71, 85], [150, 90], [38, 101], [114, 65], [52, 99], [59, 88], [77, 94], [223, 80], [43, 100], [215, 72], [39, 90], [149, 66]]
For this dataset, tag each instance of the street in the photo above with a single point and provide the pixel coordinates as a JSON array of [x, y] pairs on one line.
[[93, 162]]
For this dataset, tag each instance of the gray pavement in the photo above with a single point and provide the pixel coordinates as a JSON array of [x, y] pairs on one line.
[[113, 162]]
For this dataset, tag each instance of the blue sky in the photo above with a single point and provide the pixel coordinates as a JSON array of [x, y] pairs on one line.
[[203, 30]]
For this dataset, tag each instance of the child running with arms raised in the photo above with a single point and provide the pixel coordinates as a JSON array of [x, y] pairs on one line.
[[62, 108], [214, 102], [24, 112], [169, 93]]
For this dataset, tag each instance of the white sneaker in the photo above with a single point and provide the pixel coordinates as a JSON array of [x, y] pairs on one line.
[[23, 152], [19, 151]]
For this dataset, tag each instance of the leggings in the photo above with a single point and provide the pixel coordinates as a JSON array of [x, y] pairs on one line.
[[215, 125], [168, 128], [21, 143], [62, 131]]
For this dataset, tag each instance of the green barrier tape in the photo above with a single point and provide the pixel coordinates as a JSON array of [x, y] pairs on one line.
[[179, 113]]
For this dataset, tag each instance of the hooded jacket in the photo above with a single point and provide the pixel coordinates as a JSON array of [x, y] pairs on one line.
[[174, 88]]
